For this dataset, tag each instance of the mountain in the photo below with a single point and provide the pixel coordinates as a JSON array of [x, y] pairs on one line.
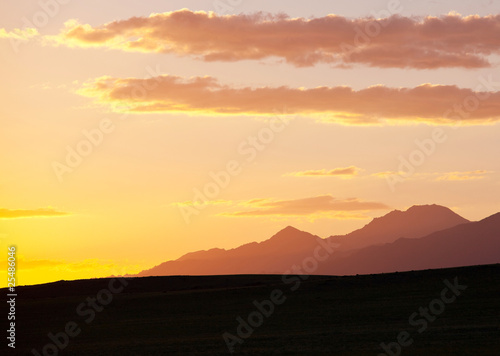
[[469, 244], [274, 255], [417, 221], [385, 244]]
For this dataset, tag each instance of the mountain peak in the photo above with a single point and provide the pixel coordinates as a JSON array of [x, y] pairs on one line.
[[416, 221], [289, 229], [288, 233], [431, 211], [419, 209], [428, 207], [290, 238]]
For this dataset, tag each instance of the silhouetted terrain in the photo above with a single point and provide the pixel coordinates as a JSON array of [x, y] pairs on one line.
[[463, 245], [325, 315], [275, 255], [310, 315], [423, 237], [417, 221]]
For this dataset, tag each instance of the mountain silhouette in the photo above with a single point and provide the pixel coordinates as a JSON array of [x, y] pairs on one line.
[[274, 255], [469, 244], [417, 221], [422, 237]]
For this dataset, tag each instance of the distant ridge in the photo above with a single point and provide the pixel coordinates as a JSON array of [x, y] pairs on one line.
[[417, 221], [274, 255], [474, 243], [422, 237]]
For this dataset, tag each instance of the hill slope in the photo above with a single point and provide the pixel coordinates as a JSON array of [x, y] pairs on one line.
[[274, 255], [463, 245], [341, 316], [291, 246], [417, 221]]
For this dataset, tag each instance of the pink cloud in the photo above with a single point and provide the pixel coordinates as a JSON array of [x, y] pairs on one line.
[[323, 205], [396, 41], [436, 104]]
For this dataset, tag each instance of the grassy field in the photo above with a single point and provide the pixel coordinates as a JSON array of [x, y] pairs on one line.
[[323, 316]]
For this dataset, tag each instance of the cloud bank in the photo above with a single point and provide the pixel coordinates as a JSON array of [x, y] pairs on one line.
[[21, 213], [434, 104], [343, 172], [461, 176], [314, 207], [392, 42]]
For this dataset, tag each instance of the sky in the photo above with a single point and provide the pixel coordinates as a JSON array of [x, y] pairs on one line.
[[133, 133]]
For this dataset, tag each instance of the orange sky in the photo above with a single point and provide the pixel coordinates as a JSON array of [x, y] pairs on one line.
[[135, 134]]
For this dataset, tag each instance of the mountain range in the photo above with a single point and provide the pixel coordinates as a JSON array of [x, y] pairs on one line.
[[422, 237]]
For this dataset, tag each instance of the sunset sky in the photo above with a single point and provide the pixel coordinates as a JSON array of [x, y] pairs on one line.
[[133, 133]]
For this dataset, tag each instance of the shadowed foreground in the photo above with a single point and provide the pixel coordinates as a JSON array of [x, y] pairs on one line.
[[323, 316]]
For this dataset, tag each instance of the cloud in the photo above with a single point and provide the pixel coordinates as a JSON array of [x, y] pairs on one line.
[[435, 104], [346, 172], [438, 176], [396, 41], [19, 34], [386, 174], [315, 207], [87, 264], [470, 175], [21, 213], [29, 264]]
